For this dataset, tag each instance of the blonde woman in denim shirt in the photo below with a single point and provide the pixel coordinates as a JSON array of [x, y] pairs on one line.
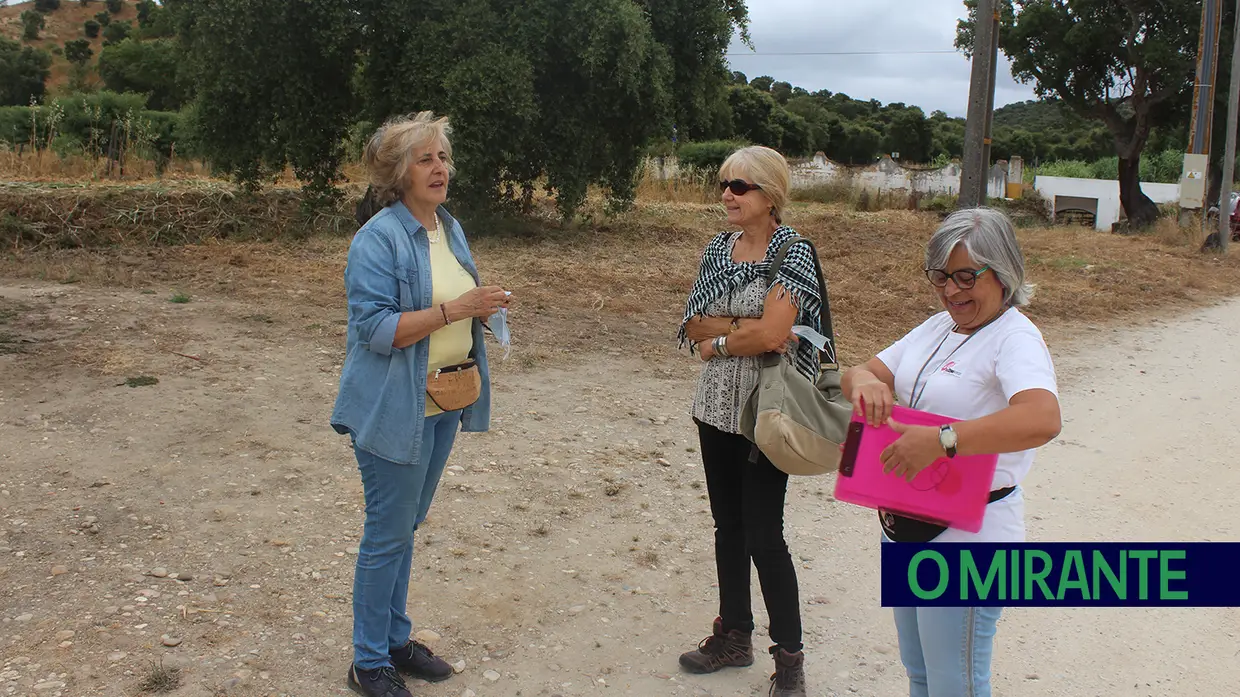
[[416, 306]]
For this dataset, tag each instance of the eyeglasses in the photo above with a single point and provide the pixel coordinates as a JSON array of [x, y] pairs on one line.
[[964, 278], [738, 187]]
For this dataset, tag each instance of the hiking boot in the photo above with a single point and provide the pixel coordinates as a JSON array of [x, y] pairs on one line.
[[720, 650], [416, 660], [381, 682], [789, 677]]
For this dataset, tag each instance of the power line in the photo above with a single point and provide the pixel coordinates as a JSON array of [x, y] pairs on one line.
[[844, 53]]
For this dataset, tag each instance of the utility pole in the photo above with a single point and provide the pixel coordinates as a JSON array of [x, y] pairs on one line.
[[990, 105], [1193, 178], [1229, 155], [975, 167]]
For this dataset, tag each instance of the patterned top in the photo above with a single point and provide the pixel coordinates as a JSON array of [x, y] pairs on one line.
[[726, 383], [739, 289], [719, 276], [726, 288]]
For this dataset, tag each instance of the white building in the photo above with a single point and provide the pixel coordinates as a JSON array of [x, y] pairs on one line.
[[1099, 197]]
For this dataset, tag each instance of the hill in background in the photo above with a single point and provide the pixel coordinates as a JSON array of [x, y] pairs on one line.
[[65, 24]]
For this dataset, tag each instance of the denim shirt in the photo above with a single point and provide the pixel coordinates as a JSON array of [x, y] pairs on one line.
[[382, 398]]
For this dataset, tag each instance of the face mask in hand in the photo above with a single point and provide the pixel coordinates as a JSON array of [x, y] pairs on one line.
[[498, 323]]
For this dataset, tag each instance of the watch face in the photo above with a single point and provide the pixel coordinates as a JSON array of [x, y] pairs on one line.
[[948, 437]]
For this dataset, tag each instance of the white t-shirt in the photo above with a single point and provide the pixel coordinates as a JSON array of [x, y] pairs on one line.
[[971, 379]]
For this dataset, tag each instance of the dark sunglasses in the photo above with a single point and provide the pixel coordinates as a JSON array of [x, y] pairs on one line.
[[739, 187], [964, 278]]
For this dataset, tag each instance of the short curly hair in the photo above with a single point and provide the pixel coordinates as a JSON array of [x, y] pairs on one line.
[[390, 152]]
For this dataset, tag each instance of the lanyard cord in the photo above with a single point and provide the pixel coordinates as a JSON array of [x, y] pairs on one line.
[[914, 394]]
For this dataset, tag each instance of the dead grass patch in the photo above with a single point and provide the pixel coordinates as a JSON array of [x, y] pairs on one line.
[[160, 679], [617, 284], [43, 215]]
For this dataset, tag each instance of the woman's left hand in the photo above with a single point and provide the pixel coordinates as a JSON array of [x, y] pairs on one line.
[[790, 344], [916, 449]]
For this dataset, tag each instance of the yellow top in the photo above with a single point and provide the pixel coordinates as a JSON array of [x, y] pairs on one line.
[[451, 344]]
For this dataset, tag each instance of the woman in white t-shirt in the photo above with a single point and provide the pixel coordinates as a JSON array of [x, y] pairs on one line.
[[983, 362]]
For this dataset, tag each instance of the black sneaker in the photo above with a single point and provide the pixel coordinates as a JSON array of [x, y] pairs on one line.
[[381, 682], [418, 661]]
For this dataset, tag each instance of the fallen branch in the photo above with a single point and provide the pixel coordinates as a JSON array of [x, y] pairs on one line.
[[185, 355]]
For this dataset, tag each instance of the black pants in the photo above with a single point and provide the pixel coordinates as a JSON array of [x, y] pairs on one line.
[[747, 502]]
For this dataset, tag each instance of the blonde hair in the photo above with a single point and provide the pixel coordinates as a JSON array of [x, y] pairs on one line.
[[392, 149], [764, 167]]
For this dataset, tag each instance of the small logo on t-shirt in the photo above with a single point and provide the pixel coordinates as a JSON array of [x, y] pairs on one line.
[[951, 369]]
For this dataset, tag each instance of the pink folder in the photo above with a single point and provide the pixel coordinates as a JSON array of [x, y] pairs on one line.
[[952, 491]]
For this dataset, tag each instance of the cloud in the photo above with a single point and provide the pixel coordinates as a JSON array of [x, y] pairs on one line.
[[889, 30]]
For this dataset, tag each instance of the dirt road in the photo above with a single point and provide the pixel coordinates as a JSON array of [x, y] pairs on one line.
[[207, 522]]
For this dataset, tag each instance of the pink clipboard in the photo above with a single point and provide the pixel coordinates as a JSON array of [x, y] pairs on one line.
[[951, 491]]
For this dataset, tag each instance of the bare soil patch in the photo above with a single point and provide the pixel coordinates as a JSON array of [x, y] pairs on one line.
[[177, 514]]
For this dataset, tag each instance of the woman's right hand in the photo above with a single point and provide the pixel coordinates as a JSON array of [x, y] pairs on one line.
[[481, 302], [873, 401]]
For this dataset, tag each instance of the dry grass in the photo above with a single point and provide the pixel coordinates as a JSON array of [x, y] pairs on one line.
[[45, 166], [43, 215], [159, 679], [690, 187], [616, 285]]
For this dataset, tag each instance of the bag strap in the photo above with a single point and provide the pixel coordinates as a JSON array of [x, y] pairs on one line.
[[824, 315]]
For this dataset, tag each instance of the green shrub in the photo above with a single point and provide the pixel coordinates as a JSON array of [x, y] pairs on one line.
[[1067, 168], [116, 32], [98, 117], [708, 155], [1106, 168], [32, 24]]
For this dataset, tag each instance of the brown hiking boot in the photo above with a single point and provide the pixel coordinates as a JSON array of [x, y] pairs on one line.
[[789, 677], [720, 650]]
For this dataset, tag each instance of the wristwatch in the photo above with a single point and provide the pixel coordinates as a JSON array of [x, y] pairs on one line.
[[947, 439]]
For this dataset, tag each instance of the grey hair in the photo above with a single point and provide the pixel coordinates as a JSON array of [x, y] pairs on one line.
[[990, 240]]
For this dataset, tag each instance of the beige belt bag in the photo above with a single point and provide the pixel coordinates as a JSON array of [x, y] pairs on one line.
[[455, 387]]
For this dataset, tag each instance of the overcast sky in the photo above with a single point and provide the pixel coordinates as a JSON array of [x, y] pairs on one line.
[[930, 81]]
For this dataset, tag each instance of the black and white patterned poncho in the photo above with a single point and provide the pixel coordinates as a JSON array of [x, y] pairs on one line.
[[719, 275]]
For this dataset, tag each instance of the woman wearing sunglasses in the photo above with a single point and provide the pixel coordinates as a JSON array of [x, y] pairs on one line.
[[732, 318], [984, 362]]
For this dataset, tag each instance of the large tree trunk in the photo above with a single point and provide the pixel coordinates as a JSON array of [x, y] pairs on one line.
[[1141, 211]]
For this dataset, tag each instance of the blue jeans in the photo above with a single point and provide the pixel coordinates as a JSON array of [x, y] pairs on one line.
[[397, 500], [946, 650]]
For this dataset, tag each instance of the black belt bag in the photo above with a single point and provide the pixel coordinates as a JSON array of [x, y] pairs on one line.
[[904, 529]]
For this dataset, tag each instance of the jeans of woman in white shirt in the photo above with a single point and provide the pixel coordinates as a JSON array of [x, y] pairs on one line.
[[946, 650]]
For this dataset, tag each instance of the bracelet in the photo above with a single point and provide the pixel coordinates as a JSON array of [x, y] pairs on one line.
[[720, 344], [444, 309]]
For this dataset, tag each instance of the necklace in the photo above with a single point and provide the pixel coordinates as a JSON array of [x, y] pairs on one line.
[[914, 394], [433, 235]]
